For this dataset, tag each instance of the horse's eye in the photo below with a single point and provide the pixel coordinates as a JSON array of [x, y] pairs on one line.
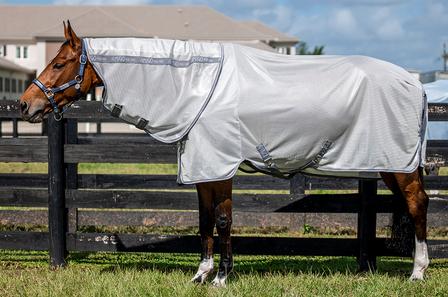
[[58, 66]]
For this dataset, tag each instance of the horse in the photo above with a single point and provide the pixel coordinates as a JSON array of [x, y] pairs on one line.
[[70, 75]]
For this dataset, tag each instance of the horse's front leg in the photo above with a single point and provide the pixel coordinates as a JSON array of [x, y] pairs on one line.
[[223, 218], [206, 226]]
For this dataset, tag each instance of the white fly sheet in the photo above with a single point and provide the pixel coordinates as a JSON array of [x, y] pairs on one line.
[[229, 105]]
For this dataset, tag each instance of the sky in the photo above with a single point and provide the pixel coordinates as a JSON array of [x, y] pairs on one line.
[[409, 33]]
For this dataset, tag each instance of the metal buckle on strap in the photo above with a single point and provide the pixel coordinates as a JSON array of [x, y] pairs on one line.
[[49, 93], [83, 59], [142, 124], [117, 110], [267, 159], [78, 80], [57, 116]]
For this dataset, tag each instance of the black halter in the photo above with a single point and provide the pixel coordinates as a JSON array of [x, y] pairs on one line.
[[50, 92]]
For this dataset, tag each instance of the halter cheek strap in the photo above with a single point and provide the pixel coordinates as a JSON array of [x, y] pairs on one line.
[[50, 92]]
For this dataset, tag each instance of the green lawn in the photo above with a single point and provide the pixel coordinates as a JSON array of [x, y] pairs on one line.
[[93, 168], [117, 274]]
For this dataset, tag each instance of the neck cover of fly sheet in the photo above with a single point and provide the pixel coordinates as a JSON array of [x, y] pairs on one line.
[[162, 86], [230, 106]]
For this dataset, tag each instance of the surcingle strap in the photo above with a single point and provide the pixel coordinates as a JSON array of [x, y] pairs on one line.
[[267, 159], [324, 149], [117, 110], [142, 123]]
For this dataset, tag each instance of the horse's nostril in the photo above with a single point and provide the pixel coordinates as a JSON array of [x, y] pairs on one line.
[[23, 107]]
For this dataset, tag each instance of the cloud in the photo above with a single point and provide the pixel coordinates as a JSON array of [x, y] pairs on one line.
[[279, 16], [390, 30], [408, 33], [345, 23]]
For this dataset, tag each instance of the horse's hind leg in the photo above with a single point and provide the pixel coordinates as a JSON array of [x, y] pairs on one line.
[[206, 226], [223, 217], [411, 187]]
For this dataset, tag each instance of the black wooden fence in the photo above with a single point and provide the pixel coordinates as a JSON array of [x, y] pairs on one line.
[[64, 191]]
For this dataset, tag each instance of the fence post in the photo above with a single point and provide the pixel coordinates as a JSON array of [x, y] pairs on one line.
[[57, 214], [44, 126], [367, 225], [72, 173], [15, 132]]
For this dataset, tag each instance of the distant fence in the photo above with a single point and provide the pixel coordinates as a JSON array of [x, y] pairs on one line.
[[64, 191]]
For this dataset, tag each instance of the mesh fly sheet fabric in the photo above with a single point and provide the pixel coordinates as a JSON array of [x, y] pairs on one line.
[[231, 106]]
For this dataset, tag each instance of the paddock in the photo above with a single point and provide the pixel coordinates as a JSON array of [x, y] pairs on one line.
[[63, 191]]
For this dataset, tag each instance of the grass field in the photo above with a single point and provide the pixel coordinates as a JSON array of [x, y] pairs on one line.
[[115, 274]]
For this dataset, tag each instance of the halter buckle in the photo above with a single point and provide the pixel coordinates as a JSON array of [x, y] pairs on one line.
[[49, 93], [57, 116], [78, 79], [83, 59]]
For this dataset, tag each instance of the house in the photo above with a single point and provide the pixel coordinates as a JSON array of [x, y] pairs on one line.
[[281, 42], [13, 79], [31, 35]]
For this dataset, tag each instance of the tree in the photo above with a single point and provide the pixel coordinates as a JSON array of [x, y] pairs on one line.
[[302, 49]]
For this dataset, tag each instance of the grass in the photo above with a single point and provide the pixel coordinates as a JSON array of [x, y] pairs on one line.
[[24, 273], [117, 274], [93, 168]]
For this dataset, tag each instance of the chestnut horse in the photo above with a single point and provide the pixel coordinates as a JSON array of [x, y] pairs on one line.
[[70, 75]]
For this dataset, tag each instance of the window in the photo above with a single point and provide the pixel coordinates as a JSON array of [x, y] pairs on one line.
[[7, 85], [14, 85], [20, 82], [25, 52], [17, 51], [1, 84], [2, 50]]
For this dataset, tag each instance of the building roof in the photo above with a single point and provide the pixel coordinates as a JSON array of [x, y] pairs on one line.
[[257, 44], [8, 65], [276, 36], [28, 23]]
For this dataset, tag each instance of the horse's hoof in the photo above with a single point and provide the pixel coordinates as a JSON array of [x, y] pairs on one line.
[[416, 276], [219, 282], [204, 270], [200, 278]]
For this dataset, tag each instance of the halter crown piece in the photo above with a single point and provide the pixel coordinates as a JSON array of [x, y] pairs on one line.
[[50, 92]]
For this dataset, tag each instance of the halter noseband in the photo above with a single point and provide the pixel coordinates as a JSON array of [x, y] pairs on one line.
[[50, 92]]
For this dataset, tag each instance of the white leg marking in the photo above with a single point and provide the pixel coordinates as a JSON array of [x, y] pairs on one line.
[[219, 281], [421, 260], [204, 270]]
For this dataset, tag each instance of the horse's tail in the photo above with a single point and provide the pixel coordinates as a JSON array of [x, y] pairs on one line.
[[420, 175]]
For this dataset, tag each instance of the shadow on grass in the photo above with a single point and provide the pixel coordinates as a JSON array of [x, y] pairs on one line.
[[261, 265], [108, 262]]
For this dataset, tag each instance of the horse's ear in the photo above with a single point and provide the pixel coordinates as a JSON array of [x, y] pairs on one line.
[[70, 35], [65, 30]]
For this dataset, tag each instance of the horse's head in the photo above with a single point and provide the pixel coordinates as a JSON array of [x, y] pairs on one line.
[[66, 78]]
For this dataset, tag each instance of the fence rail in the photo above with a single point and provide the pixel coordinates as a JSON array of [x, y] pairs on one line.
[[63, 190]]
